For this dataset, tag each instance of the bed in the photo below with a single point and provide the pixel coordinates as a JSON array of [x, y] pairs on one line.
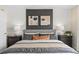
[[39, 46], [45, 43]]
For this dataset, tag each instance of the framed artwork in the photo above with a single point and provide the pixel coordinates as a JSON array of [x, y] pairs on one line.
[[32, 20], [45, 20]]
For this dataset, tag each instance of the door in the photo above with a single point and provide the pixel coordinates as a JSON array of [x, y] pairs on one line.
[[2, 29]]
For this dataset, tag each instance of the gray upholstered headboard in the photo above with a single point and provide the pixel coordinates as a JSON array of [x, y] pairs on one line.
[[27, 35]]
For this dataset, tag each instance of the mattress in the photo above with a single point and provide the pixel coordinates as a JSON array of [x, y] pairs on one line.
[[39, 46]]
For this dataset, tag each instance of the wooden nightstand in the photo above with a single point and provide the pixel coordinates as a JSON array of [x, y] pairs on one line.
[[66, 39], [12, 40]]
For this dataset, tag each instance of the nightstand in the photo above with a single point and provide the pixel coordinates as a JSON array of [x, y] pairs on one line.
[[12, 40], [66, 39]]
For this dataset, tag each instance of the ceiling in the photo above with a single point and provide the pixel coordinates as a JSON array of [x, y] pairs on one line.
[[39, 6]]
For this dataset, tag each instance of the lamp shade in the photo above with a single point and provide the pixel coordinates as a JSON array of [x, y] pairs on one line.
[[60, 29], [18, 29]]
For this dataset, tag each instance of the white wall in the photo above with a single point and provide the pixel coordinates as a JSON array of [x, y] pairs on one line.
[[75, 26], [17, 15], [3, 27]]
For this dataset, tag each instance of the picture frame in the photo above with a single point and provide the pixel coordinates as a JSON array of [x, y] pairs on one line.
[[32, 20], [45, 20]]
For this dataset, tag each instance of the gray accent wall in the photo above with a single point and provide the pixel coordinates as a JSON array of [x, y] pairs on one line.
[[39, 12]]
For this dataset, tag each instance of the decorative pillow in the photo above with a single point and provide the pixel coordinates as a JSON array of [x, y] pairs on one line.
[[40, 37], [51, 36], [28, 36]]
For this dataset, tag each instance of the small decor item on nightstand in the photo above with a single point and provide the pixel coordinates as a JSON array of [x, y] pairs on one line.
[[68, 33]]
